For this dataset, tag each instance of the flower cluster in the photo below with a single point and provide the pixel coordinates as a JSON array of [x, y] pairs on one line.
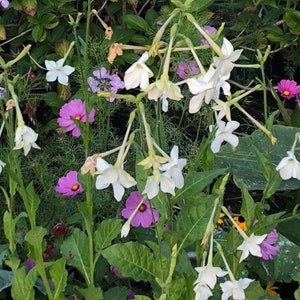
[[103, 81]]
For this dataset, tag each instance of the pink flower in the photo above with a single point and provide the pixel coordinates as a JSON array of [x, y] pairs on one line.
[[68, 185], [186, 69], [4, 3], [288, 88], [74, 110], [266, 247], [143, 217], [115, 271], [211, 31]]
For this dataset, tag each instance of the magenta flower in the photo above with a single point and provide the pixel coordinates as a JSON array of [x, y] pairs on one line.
[[115, 271], [211, 31], [74, 110], [267, 248], [143, 217], [186, 69], [4, 3], [68, 185], [288, 88]]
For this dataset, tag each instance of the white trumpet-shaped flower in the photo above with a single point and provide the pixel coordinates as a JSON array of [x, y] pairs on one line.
[[25, 137], [116, 176], [289, 167], [202, 291], [57, 71], [235, 288], [138, 74], [209, 274], [224, 134]]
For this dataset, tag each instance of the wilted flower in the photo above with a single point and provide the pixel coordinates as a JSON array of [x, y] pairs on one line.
[[251, 245], [138, 74], [57, 71], [25, 137], [2, 165], [116, 176], [224, 133], [144, 216], [4, 3], [48, 252], [74, 110], [267, 248], [59, 231], [210, 30], [186, 69], [289, 167], [68, 185], [235, 288], [288, 88]]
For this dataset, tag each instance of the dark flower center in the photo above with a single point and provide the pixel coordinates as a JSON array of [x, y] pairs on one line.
[[142, 207], [186, 71]]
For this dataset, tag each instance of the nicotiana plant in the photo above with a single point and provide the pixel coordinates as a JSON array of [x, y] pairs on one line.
[[168, 231]]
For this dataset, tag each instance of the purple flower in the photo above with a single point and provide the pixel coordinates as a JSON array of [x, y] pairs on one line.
[[74, 110], [103, 81], [4, 3], [288, 88], [186, 69], [266, 247], [144, 216], [68, 185], [211, 31], [115, 271], [29, 264]]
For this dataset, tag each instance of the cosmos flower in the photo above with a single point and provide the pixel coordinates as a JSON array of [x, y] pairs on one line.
[[144, 216], [25, 137], [224, 133], [267, 248], [288, 88], [235, 288], [138, 74], [74, 110], [68, 185], [57, 71], [289, 167], [186, 69]]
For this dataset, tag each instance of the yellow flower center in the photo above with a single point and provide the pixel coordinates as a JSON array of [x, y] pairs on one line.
[[286, 93], [142, 207], [75, 187]]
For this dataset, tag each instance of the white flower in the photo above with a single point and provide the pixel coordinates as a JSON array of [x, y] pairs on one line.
[[117, 177], [251, 245], [208, 275], [203, 89], [25, 137], [162, 181], [138, 74], [224, 133], [202, 291], [235, 288], [56, 70], [223, 108], [2, 165], [173, 168], [289, 167]]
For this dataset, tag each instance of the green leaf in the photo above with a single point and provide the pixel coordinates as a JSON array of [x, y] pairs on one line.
[[132, 260], [242, 161], [6, 279], [116, 293], [76, 247], [91, 293], [37, 32], [248, 206], [59, 276], [107, 231], [22, 286], [199, 6], [196, 183], [136, 22], [292, 19], [287, 229], [193, 219]]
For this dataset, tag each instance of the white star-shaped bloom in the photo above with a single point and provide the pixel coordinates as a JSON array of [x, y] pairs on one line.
[[203, 89], [57, 71], [224, 133], [25, 137], [138, 74], [117, 177], [235, 288], [251, 245], [173, 168], [223, 108], [289, 167], [208, 275], [202, 291]]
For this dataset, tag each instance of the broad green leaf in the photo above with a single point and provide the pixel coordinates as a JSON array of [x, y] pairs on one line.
[[33, 198], [140, 297], [35, 237], [22, 286], [116, 293], [199, 6], [292, 19], [254, 291], [59, 276], [136, 22], [196, 183], [6, 278], [107, 231], [91, 293], [193, 219], [242, 161], [76, 247], [132, 260], [287, 229]]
